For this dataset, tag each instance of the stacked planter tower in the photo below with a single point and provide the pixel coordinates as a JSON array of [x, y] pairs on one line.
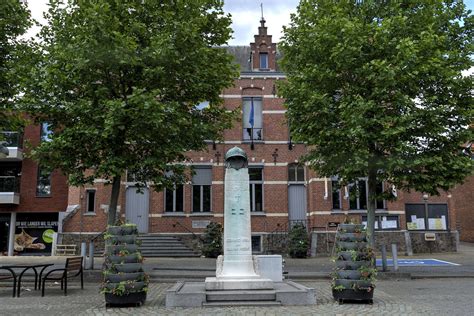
[[125, 282], [354, 275]]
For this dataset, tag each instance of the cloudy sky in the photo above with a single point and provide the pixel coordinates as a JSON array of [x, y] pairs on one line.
[[245, 15]]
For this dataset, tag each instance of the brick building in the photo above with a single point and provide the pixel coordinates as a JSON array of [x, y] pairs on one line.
[[282, 190], [31, 197]]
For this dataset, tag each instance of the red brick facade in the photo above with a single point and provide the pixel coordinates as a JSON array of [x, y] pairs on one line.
[[274, 154]]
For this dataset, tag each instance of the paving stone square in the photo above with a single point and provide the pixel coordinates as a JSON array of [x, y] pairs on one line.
[[407, 297]]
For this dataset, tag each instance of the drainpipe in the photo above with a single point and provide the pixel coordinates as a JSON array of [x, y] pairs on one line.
[[11, 236]]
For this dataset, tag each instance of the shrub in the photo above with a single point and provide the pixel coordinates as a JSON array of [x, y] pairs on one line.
[[298, 241], [212, 242]]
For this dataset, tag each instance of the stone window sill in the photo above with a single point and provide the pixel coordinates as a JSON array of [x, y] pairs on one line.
[[258, 214], [90, 214], [203, 214], [174, 214]]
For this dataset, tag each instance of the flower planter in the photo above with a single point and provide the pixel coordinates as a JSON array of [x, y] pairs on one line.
[[353, 295], [125, 283], [352, 265], [128, 267], [122, 230], [351, 228], [353, 284], [352, 237], [120, 239], [353, 278], [348, 274], [119, 277], [133, 258], [132, 299], [348, 245], [115, 249]]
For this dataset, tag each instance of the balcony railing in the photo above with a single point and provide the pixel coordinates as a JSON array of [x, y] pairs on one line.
[[9, 184], [12, 139]]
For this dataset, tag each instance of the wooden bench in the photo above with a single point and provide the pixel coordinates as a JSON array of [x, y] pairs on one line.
[[72, 269], [65, 250]]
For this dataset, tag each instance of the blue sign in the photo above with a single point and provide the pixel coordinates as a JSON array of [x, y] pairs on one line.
[[418, 263]]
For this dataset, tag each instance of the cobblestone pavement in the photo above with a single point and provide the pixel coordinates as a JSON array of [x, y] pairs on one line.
[[408, 297]]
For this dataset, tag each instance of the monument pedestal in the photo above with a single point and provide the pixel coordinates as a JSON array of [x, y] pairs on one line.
[[235, 283]]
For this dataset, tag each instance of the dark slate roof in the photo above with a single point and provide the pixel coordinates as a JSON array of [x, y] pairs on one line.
[[242, 57]]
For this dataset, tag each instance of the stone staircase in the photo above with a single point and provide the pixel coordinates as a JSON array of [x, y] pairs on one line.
[[153, 245]]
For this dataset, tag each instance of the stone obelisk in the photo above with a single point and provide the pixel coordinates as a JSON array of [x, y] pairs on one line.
[[235, 270]]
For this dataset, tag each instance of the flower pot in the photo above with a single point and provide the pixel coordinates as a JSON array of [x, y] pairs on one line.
[[351, 228], [115, 249], [132, 299], [123, 239], [348, 274], [353, 295], [352, 237], [345, 255], [122, 230], [131, 287], [128, 267], [132, 258], [119, 277], [352, 265], [353, 284], [347, 245]]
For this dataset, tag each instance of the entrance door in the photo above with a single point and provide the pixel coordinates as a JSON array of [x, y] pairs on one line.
[[137, 207], [297, 204]]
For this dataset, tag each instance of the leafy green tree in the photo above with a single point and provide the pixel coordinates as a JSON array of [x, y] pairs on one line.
[[119, 81], [14, 21], [377, 91]]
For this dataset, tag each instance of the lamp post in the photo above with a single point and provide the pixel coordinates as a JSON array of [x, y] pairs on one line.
[[425, 199]]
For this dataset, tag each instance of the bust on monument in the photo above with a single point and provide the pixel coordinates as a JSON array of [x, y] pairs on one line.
[[235, 269]]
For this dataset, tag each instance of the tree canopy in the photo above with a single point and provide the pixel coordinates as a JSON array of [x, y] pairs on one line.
[[14, 21], [377, 91], [119, 82]]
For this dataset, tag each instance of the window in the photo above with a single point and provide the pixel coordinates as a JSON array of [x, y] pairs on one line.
[[256, 243], [336, 195], [295, 173], [263, 61], [427, 216], [174, 199], [252, 119], [383, 222], [90, 194], [202, 182], [43, 182], [358, 195], [46, 132], [256, 189]]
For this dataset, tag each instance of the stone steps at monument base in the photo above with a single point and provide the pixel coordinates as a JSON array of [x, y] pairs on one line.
[[164, 246], [241, 303], [225, 296]]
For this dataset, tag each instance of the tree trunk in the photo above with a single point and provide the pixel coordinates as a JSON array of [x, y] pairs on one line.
[[371, 205], [114, 200]]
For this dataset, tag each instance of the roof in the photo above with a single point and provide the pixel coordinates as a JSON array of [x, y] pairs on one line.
[[242, 57]]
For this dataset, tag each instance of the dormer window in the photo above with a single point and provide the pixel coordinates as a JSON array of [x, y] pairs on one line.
[[263, 61]]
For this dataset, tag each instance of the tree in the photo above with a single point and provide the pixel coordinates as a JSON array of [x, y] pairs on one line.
[[119, 80], [14, 21], [377, 91]]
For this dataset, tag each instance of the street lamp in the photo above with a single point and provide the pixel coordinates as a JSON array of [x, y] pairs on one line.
[[425, 199]]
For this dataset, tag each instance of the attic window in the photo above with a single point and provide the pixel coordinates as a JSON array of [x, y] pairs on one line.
[[263, 61]]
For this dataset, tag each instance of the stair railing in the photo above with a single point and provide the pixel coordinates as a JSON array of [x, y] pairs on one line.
[[189, 231]]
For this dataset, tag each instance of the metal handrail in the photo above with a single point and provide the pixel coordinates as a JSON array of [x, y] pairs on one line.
[[190, 231]]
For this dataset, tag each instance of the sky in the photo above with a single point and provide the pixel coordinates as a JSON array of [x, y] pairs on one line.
[[246, 15]]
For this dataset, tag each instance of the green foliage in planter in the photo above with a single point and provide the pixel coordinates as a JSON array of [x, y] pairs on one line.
[[212, 243], [298, 241]]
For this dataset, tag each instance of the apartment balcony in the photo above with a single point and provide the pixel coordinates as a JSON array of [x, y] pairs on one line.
[[13, 142], [9, 190]]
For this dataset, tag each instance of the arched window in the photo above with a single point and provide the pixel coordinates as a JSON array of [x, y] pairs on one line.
[[295, 173]]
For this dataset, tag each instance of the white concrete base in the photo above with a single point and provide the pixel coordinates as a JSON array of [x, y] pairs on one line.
[[236, 283], [194, 294]]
